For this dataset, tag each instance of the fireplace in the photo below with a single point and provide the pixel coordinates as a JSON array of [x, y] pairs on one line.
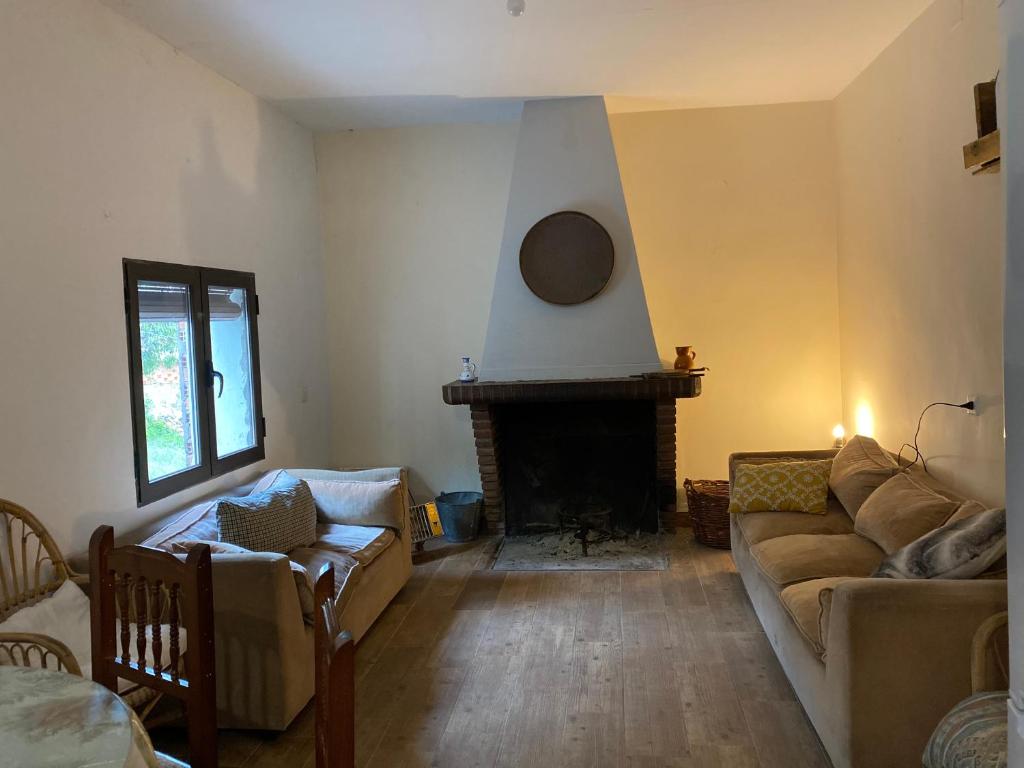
[[561, 463], [550, 450]]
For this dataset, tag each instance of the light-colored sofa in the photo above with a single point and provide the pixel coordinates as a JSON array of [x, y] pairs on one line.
[[878, 670], [263, 611]]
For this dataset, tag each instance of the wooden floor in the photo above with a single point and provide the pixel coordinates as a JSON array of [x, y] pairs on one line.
[[472, 667]]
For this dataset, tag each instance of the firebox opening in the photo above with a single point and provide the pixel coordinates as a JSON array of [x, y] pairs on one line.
[[561, 462]]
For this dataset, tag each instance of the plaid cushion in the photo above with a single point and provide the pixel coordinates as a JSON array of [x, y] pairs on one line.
[[279, 519]]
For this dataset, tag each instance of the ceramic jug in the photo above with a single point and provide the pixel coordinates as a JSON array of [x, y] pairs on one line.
[[468, 373], [685, 358]]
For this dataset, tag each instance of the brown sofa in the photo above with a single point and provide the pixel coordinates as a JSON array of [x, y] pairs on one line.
[[879, 668], [263, 611]]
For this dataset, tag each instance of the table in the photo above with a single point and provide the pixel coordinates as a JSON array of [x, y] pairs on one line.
[[51, 719]]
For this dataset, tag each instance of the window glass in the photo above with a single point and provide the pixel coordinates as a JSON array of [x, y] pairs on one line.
[[168, 378], [234, 412]]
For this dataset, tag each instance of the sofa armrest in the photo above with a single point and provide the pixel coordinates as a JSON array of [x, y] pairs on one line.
[[263, 652], [899, 657], [767, 457], [256, 585]]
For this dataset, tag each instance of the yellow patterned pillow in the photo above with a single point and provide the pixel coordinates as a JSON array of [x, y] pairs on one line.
[[782, 486]]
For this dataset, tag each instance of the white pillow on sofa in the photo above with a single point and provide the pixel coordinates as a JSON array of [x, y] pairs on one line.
[[358, 502], [372, 497]]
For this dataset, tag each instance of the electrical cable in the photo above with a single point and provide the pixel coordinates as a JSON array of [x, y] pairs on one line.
[[918, 456]]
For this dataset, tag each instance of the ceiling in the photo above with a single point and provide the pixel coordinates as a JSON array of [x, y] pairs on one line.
[[338, 64]]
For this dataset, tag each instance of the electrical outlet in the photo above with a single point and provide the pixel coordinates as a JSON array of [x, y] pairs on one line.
[[973, 399]]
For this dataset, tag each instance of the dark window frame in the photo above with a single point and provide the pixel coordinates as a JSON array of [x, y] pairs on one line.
[[198, 279]]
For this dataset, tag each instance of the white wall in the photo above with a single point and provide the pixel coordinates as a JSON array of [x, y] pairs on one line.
[[412, 221], [733, 211], [112, 146], [921, 247], [565, 161], [1011, 120]]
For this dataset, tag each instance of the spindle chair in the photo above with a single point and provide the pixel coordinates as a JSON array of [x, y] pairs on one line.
[[147, 588], [334, 668]]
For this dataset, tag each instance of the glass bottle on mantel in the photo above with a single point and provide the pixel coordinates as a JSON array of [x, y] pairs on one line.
[[468, 373]]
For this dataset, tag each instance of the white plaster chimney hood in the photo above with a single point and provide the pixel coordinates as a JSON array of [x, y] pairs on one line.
[[565, 160]]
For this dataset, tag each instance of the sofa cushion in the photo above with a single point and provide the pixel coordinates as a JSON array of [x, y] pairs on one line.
[[199, 522], [64, 616], [967, 509], [761, 526], [805, 605], [783, 486], [958, 550], [347, 571], [802, 557], [359, 502], [901, 510], [857, 470], [364, 543], [278, 519], [383, 506]]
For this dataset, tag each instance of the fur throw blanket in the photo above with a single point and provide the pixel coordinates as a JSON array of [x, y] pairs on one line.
[[960, 550]]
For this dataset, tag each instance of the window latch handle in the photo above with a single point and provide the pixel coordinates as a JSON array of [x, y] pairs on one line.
[[211, 375]]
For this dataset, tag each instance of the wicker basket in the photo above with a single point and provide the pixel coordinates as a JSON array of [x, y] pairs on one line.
[[708, 502]]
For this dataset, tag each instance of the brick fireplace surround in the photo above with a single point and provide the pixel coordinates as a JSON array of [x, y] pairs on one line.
[[482, 397]]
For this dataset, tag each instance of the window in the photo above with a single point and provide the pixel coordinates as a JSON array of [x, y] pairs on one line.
[[195, 374]]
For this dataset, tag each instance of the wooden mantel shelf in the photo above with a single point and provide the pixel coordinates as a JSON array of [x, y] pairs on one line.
[[570, 390]]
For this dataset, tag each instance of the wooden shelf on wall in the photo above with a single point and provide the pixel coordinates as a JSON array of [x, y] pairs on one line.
[[982, 156]]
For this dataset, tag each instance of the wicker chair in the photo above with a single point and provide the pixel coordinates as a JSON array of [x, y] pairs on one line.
[[31, 564], [28, 649], [31, 569], [990, 653], [974, 731]]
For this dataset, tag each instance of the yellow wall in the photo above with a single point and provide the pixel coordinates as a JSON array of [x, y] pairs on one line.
[[733, 212], [921, 247]]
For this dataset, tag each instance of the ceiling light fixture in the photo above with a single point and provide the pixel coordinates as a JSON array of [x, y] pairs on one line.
[[516, 7]]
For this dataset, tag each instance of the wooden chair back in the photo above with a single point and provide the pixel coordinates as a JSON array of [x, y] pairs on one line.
[[149, 587], [334, 668], [31, 564]]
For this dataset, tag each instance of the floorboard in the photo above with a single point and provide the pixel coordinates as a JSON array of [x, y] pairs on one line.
[[473, 668]]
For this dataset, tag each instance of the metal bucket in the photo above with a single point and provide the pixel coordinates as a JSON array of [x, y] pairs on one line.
[[460, 514]]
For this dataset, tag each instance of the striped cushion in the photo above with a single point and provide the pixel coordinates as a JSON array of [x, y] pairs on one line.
[[279, 519], [972, 735]]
